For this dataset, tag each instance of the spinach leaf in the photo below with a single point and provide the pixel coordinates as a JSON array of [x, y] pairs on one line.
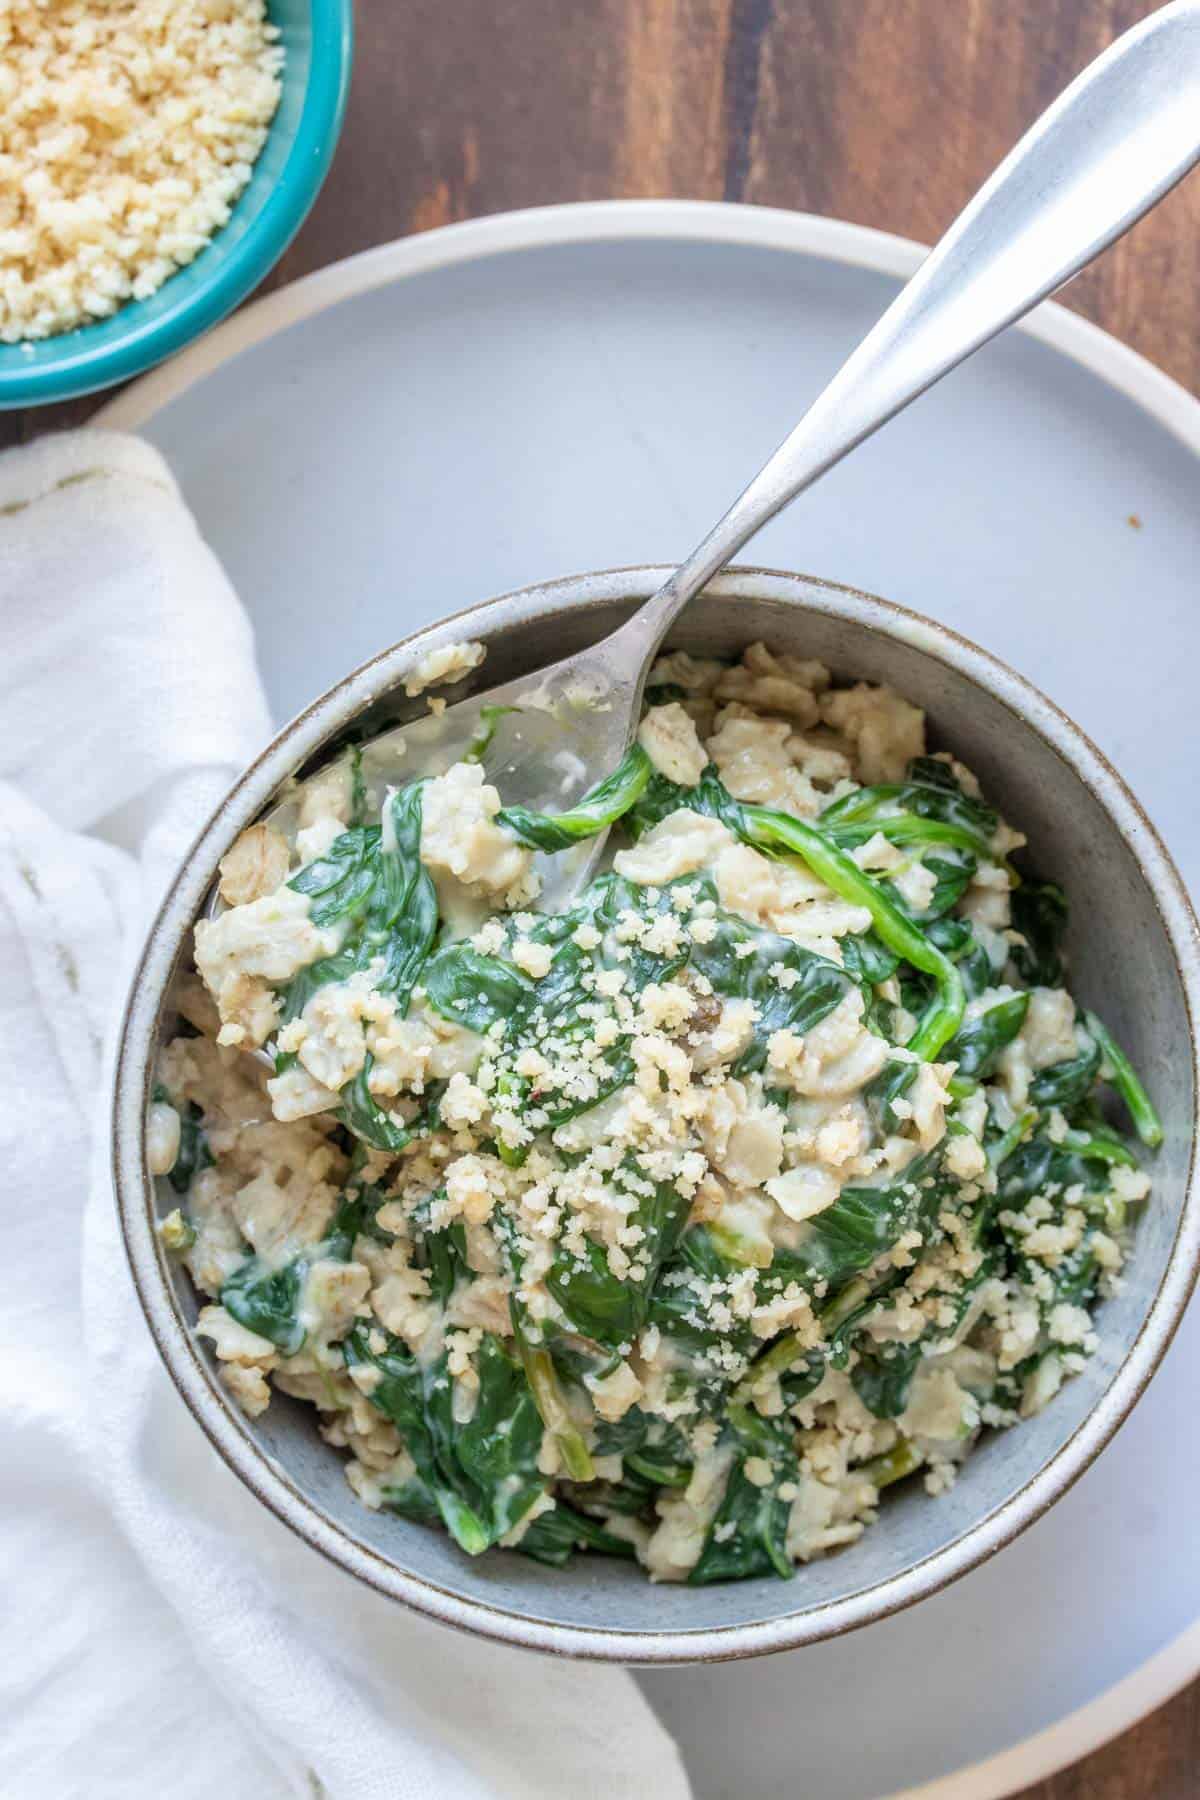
[[481, 1475], [194, 1153], [867, 959], [934, 799], [653, 1451], [661, 797], [1023, 1173], [896, 1464], [952, 869], [373, 877], [403, 1391], [617, 1437], [883, 1378], [537, 1360], [932, 771], [864, 1223], [748, 1535], [441, 1252], [356, 1215], [472, 990], [680, 1307], [553, 1536], [789, 986], [268, 1301], [489, 720], [341, 881], [403, 918], [497, 1448], [974, 967], [1039, 913], [802, 1379], [663, 1458], [599, 808], [307, 982], [883, 1090], [1064, 1084], [843, 1316], [778, 834], [593, 1300], [413, 1500], [980, 1041], [358, 788], [361, 1113]]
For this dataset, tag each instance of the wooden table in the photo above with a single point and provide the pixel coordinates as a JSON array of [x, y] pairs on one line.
[[888, 112]]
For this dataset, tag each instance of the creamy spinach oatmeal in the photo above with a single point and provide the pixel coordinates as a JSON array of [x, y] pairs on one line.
[[680, 1224]]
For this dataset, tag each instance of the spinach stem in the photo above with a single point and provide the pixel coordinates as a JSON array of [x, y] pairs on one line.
[[1125, 1079], [552, 1408], [943, 1016], [599, 808], [902, 1459], [907, 828]]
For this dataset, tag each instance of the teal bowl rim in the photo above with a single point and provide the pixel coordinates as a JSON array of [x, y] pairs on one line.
[[83, 370]]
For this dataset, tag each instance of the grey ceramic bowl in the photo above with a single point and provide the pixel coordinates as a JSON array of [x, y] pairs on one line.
[[1135, 955]]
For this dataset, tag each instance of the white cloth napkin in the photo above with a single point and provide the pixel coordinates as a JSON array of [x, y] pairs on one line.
[[164, 1634]]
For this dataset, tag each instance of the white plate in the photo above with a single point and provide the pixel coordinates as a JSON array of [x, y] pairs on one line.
[[577, 387]]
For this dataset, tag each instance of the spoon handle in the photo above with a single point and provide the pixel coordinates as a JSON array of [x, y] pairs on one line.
[[1124, 132]]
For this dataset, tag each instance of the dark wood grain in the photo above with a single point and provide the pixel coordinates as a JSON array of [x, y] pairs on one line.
[[889, 112]]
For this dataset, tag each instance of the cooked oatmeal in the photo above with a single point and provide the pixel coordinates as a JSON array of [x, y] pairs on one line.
[[680, 1224]]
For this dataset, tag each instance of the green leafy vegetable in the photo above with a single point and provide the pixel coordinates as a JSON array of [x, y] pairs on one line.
[[473, 990], [482, 1475], [932, 800], [866, 1221], [267, 1301], [789, 986], [868, 959], [894, 1465], [661, 797], [373, 877], [599, 808], [194, 1153], [342, 880], [883, 1378], [1039, 913], [362, 1114], [775, 830], [441, 1251], [1064, 1084], [489, 720], [358, 788], [979, 1042], [537, 1361], [748, 1535], [553, 1536], [1118, 1069], [596, 1302]]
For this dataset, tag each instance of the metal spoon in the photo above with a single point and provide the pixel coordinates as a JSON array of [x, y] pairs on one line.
[[1108, 149]]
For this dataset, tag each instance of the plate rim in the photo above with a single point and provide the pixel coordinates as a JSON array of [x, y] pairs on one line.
[[1156, 1680]]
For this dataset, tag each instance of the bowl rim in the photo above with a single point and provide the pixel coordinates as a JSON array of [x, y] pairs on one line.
[[81, 369], [231, 1434]]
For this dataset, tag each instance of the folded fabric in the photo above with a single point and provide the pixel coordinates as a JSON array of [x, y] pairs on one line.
[[169, 1636]]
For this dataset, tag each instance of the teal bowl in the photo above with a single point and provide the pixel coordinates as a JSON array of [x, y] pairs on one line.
[[318, 37]]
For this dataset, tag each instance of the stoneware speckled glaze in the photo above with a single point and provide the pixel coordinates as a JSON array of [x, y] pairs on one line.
[[1135, 951]]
